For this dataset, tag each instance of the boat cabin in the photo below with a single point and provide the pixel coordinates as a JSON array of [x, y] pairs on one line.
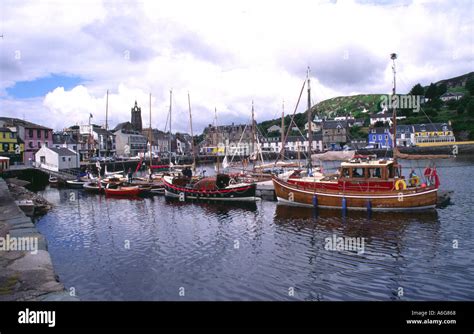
[[373, 170]]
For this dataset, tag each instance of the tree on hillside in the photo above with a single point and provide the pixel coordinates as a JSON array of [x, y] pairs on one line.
[[470, 85], [470, 107], [417, 90], [441, 89], [431, 92]]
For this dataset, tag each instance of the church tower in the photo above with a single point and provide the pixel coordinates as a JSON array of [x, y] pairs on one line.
[[137, 118]]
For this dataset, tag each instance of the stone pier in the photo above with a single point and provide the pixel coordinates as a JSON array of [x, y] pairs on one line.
[[25, 275]]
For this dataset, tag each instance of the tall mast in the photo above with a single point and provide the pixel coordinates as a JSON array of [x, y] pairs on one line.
[[393, 56], [150, 135], [171, 100], [107, 124], [282, 132], [217, 136], [253, 131], [192, 135], [310, 122]]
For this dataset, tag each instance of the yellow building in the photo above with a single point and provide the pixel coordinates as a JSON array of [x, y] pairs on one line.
[[433, 133], [10, 145]]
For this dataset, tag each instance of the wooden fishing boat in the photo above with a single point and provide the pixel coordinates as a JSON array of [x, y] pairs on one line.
[[219, 188], [93, 187], [360, 185], [123, 191], [77, 184]]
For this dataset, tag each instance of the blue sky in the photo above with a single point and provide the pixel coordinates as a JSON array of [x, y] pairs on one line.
[[42, 86]]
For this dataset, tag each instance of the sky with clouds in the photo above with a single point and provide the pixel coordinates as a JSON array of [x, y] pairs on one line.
[[58, 58]]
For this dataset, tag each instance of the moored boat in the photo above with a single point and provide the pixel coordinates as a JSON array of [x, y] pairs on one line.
[[219, 188], [93, 187], [361, 185], [53, 181], [123, 191], [77, 184]]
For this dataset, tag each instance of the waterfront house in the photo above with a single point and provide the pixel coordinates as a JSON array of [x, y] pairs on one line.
[[300, 143], [334, 133], [405, 135], [380, 137], [66, 140], [271, 144], [433, 133], [10, 145], [129, 143], [33, 136], [56, 159]]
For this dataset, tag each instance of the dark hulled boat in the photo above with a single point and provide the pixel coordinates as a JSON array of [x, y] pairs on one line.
[[219, 188]]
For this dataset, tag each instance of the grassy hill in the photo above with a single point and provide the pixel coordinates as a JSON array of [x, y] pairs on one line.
[[460, 113]]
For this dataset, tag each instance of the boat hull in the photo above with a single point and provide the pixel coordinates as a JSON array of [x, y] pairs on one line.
[[408, 199], [123, 192], [240, 193]]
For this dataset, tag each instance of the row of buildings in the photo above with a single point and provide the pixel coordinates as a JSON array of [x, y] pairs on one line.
[[411, 135], [20, 140]]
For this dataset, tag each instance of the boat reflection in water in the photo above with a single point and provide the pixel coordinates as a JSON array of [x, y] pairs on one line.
[[213, 206]]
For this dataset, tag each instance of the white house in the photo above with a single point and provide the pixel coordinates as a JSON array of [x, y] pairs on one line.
[[55, 159], [451, 96], [383, 117], [274, 128]]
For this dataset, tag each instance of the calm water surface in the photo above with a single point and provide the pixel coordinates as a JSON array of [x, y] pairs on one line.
[[147, 249]]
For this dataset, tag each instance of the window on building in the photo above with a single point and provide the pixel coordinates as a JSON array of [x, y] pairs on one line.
[[69, 159], [64, 159], [39, 144], [46, 143], [12, 135], [46, 134], [30, 133], [30, 144], [38, 134], [5, 147]]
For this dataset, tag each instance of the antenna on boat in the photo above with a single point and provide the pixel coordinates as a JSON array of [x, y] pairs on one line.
[[192, 135], [310, 129], [393, 56], [171, 100]]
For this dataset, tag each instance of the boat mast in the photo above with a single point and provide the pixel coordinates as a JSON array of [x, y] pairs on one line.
[[217, 140], [310, 122], [150, 136], [192, 135], [253, 132], [393, 56], [171, 100], [107, 124], [282, 132]]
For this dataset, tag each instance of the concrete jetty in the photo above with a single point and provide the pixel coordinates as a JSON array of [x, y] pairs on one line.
[[26, 273]]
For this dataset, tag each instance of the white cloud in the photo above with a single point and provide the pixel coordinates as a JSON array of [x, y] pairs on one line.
[[224, 53]]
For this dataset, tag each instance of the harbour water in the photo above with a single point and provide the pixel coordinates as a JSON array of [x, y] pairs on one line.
[[157, 249]]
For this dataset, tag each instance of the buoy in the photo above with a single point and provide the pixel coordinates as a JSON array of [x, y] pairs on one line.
[[315, 200], [423, 185]]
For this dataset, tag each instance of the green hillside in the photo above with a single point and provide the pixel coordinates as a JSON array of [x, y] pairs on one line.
[[460, 113]]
